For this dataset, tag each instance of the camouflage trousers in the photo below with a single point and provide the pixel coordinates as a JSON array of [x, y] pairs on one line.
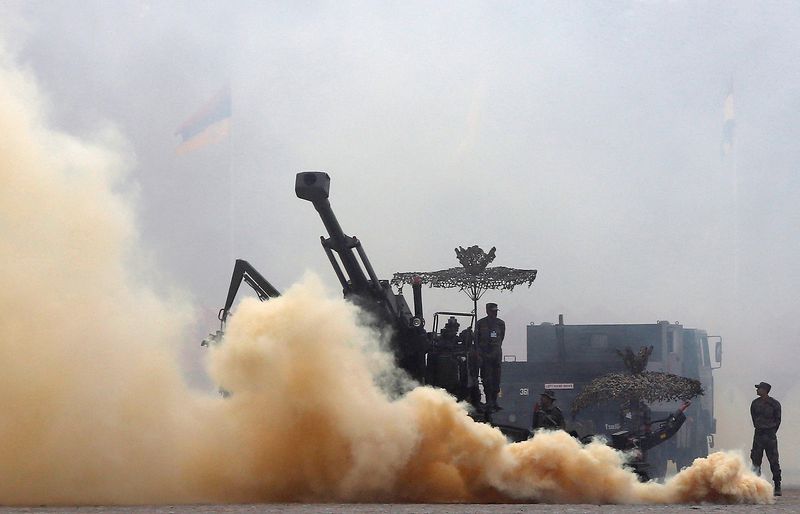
[[766, 441], [489, 359]]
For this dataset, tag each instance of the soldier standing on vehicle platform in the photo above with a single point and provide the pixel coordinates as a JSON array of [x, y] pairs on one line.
[[490, 332], [766, 414]]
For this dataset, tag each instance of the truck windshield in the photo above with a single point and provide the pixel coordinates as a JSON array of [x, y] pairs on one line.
[[591, 343]]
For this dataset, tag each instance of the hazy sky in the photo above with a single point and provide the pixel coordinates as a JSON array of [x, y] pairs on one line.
[[582, 139]]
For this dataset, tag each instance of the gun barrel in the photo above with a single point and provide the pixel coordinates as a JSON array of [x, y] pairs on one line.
[[416, 287], [314, 186]]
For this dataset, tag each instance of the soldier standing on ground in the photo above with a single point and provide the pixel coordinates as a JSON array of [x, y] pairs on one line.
[[546, 415], [490, 333], [766, 414]]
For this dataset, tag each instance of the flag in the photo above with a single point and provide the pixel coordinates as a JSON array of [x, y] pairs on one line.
[[208, 125], [729, 123]]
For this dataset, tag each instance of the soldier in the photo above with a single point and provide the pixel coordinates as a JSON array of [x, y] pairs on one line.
[[766, 414], [490, 332], [546, 415]]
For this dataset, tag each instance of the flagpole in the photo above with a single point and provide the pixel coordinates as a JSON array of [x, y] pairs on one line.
[[736, 235], [231, 211], [736, 229], [730, 152]]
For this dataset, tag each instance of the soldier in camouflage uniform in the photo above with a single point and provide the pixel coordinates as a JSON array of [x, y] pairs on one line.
[[766, 414], [490, 332], [546, 415]]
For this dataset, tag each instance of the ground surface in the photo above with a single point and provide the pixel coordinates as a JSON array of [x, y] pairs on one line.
[[789, 502]]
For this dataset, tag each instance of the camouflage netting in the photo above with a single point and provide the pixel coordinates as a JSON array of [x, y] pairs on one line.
[[649, 386], [637, 384], [498, 277], [473, 277]]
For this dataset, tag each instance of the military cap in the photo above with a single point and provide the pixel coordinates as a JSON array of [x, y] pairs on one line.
[[550, 394], [492, 306], [764, 385]]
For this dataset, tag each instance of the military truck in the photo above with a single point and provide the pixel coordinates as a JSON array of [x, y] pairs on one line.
[[566, 358]]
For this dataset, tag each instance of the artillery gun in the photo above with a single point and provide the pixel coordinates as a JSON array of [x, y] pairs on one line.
[[437, 358], [426, 357]]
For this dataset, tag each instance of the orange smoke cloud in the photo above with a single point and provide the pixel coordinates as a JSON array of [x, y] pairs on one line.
[[320, 429], [95, 409], [90, 389]]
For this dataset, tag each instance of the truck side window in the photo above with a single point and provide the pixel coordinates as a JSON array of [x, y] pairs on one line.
[[692, 355], [706, 355]]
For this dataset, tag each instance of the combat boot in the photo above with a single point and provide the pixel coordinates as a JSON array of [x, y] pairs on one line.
[[777, 491]]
